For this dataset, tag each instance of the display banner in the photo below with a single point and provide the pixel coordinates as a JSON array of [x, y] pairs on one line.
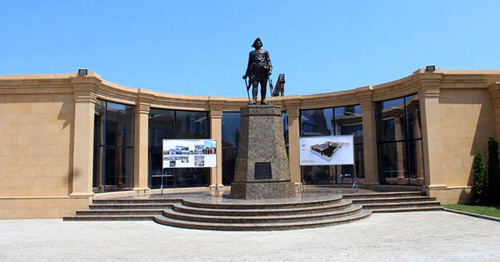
[[327, 150], [183, 153]]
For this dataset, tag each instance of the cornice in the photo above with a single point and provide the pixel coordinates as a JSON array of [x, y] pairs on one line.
[[425, 84]]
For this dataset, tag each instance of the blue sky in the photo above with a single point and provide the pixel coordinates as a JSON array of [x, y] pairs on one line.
[[201, 47]]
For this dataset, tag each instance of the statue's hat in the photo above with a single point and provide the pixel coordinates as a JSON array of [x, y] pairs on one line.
[[255, 42]]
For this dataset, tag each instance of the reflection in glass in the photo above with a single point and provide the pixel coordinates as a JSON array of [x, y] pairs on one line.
[[175, 124], [230, 136], [345, 120], [316, 122], [113, 147], [399, 141]]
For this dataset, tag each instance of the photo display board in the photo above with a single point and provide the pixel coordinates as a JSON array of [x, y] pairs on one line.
[[189, 153], [327, 150]]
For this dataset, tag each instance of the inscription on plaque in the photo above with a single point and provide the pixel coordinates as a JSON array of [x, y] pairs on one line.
[[263, 170]]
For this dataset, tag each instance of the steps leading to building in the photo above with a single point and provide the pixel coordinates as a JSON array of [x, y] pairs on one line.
[[263, 212], [253, 215], [395, 201], [382, 194], [252, 205], [262, 226]]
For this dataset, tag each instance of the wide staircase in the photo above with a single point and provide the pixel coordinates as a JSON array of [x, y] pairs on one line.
[[187, 213], [395, 201]]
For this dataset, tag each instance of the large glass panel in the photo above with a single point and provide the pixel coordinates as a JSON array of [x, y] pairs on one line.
[[314, 175], [119, 125], [348, 121], [113, 147], [161, 125], [391, 163], [316, 122], [119, 168], [230, 135], [413, 117], [175, 124], [399, 141], [345, 120], [390, 120], [191, 125]]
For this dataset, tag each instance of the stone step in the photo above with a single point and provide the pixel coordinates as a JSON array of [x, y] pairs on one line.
[[407, 209], [130, 206], [382, 194], [261, 219], [392, 199], [332, 200], [137, 201], [400, 205], [123, 212], [261, 212], [261, 226], [109, 218]]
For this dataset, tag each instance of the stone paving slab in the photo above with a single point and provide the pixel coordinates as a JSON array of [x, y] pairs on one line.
[[414, 236]]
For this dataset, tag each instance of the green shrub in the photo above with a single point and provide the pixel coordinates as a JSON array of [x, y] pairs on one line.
[[479, 173], [493, 171]]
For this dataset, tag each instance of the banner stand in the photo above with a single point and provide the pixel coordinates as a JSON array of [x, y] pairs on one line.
[[216, 181]]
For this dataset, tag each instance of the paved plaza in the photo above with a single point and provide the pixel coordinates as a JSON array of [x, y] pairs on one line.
[[415, 236]]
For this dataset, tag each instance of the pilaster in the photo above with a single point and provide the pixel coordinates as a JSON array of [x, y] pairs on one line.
[[429, 93], [216, 108], [83, 135], [292, 108], [141, 141], [369, 137]]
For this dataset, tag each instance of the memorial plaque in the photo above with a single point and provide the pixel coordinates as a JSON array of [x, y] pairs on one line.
[[263, 170]]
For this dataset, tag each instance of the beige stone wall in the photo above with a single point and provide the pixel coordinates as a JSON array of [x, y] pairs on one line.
[[466, 122], [35, 144], [40, 207]]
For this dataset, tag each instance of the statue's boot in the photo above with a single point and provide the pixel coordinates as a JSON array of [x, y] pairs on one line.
[[263, 95], [254, 95]]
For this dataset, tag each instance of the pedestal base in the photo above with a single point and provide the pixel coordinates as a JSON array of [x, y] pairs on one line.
[[262, 190]]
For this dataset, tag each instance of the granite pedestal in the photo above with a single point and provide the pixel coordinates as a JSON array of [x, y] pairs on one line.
[[262, 170]]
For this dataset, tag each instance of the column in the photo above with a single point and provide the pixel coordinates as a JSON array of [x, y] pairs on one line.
[[216, 107], [431, 136], [369, 139], [292, 108], [83, 136], [141, 143]]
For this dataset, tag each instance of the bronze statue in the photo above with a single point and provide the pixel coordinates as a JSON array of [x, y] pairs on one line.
[[259, 69]]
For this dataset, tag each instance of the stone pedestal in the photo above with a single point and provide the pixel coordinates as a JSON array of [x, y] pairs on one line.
[[261, 165]]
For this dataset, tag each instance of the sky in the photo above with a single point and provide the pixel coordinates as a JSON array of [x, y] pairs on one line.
[[201, 47]]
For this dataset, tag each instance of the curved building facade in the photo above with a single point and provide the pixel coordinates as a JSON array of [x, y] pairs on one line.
[[65, 139]]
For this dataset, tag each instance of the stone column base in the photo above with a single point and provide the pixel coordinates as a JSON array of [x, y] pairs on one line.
[[263, 190]]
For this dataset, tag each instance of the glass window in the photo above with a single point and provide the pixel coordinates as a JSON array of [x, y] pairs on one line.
[[230, 136], [316, 122], [399, 140], [175, 124], [346, 120], [113, 147]]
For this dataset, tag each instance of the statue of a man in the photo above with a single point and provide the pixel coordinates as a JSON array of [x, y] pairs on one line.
[[258, 71]]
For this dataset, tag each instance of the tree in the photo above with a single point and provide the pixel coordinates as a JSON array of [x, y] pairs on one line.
[[479, 173]]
